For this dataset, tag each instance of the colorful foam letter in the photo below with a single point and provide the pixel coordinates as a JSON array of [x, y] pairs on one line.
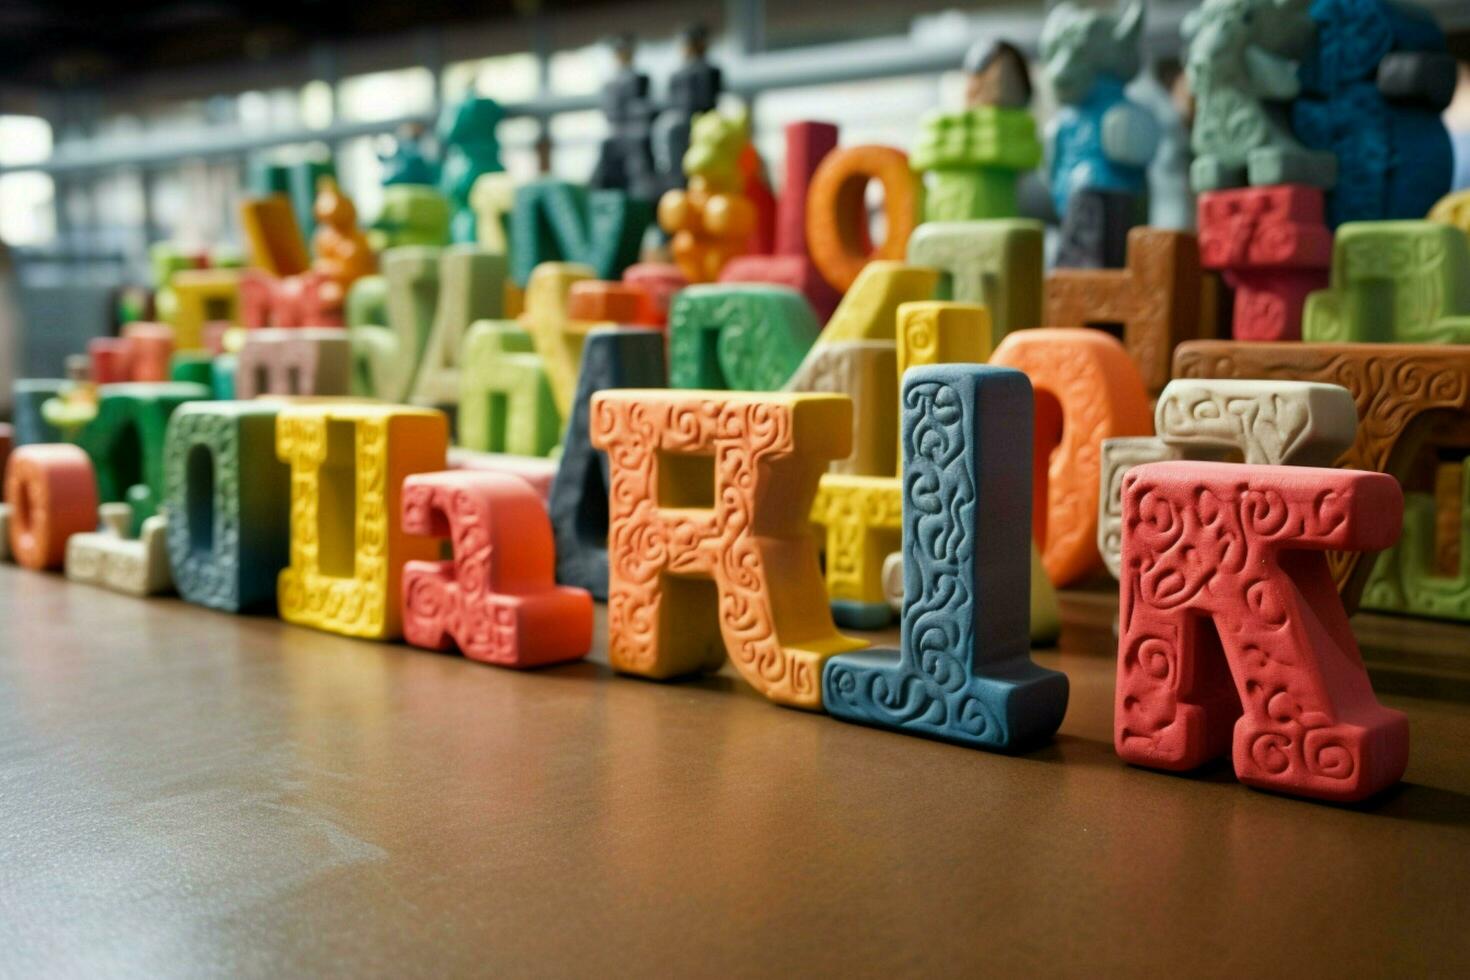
[[1161, 299], [738, 336], [348, 461], [113, 560], [1273, 247], [613, 357], [126, 440], [505, 402], [385, 358], [710, 546], [276, 243], [203, 296], [1087, 390], [1267, 423], [863, 514], [227, 500], [497, 599], [557, 334], [1415, 576], [837, 220], [471, 288], [554, 221], [294, 361], [52, 494], [1403, 393], [963, 670], [1394, 281], [807, 144], [1223, 566], [867, 372], [996, 264]]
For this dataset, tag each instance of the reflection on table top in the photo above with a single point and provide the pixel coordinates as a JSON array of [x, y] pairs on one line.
[[188, 792]]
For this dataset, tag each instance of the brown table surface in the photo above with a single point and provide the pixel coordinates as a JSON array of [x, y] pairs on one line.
[[186, 792]]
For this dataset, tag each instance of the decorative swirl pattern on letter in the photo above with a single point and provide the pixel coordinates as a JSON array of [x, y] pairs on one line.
[[753, 539], [963, 671], [1399, 390], [497, 600], [1240, 547], [389, 442]]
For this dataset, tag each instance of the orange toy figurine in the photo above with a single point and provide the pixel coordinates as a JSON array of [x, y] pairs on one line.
[[343, 255], [712, 221]]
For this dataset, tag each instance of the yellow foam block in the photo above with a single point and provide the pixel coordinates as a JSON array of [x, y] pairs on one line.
[[348, 461]]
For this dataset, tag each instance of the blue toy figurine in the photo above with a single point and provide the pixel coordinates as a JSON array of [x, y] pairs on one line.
[[467, 133], [1099, 138], [1372, 93], [1100, 141]]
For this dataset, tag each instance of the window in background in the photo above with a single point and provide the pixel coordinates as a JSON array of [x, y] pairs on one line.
[[361, 175], [505, 78], [315, 104], [580, 71], [518, 148], [27, 212], [575, 139], [387, 94], [884, 111], [266, 111]]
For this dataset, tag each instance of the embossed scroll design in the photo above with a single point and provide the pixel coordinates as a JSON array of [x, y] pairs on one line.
[[206, 578], [755, 532], [355, 606], [499, 530], [959, 621], [1394, 386], [1242, 546]]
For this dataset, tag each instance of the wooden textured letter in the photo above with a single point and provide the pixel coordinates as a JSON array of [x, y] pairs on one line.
[[709, 543], [1162, 299], [348, 461], [496, 600], [963, 670], [1224, 580]]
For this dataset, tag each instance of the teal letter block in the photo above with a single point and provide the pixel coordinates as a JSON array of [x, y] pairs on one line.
[[228, 502], [963, 670], [738, 336], [554, 221]]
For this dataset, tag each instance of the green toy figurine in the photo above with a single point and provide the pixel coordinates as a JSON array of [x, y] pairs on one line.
[[467, 135], [1242, 66], [973, 158]]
